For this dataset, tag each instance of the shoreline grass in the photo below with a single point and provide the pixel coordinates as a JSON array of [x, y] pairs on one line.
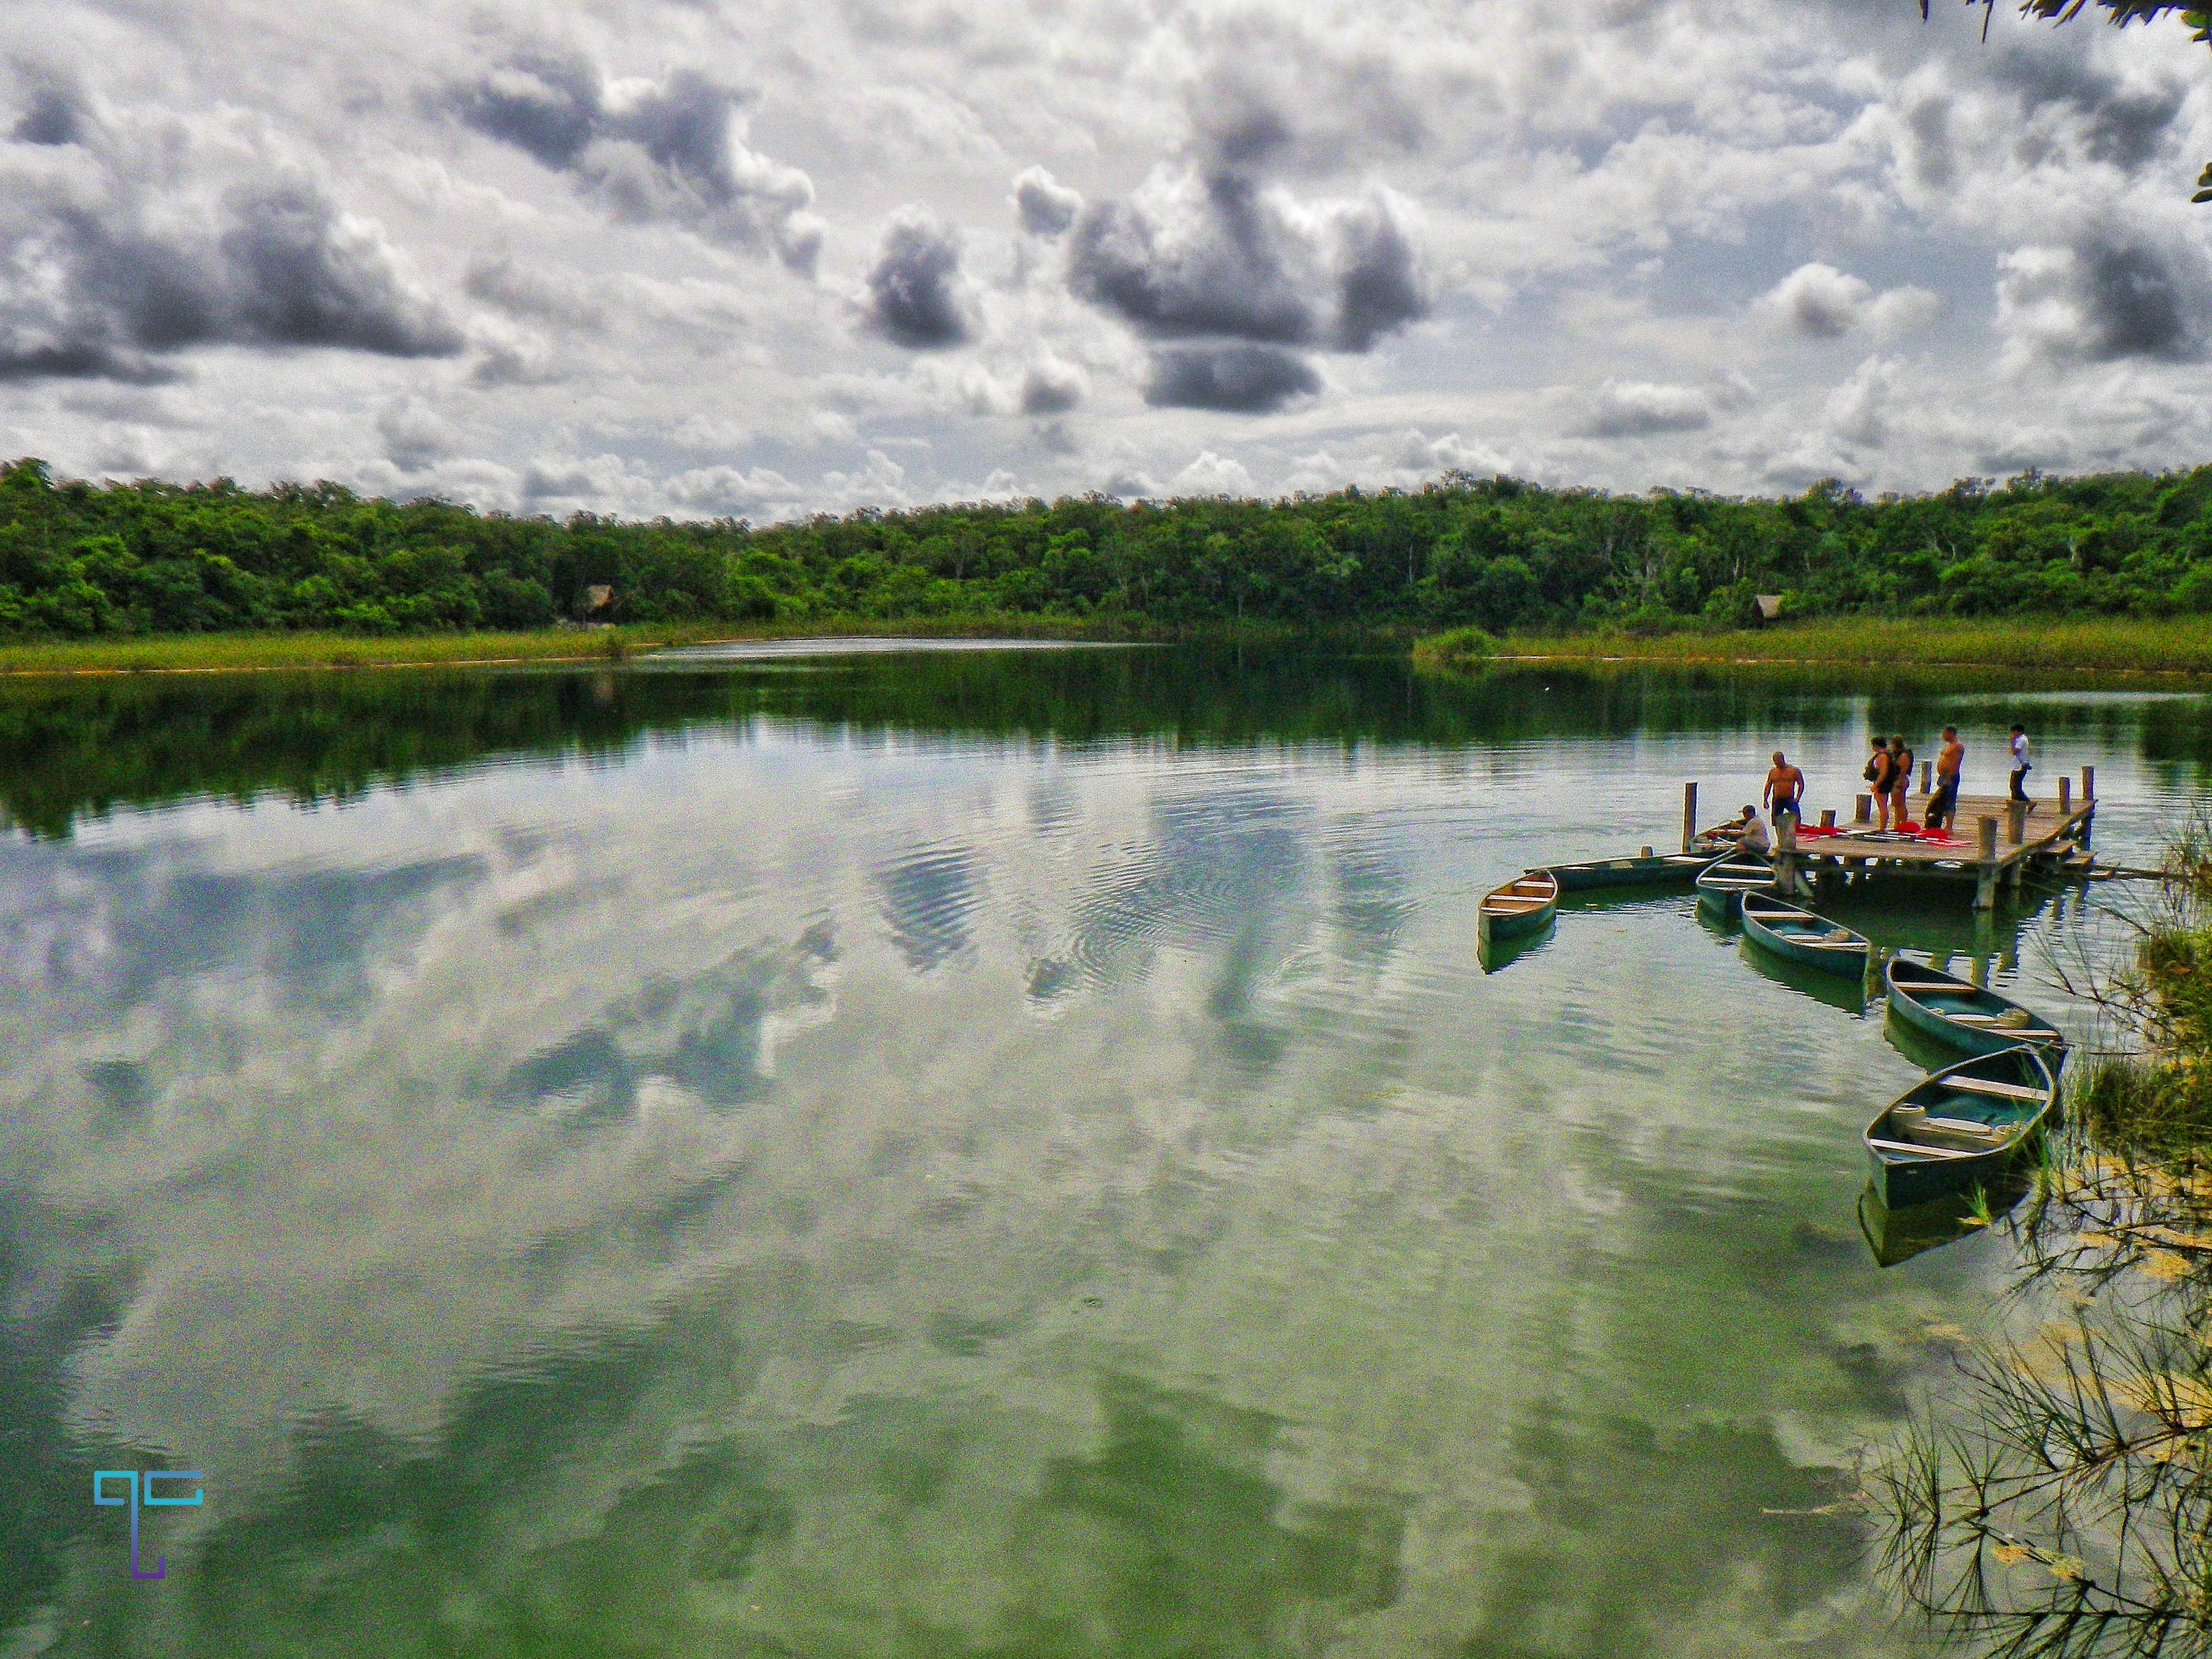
[[252, 653], [2131, 645], [2168, 646]]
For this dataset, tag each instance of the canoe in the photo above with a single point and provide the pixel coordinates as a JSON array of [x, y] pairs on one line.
[[1523, 906], [1721, 884], [1804, 938], [1963, 1017], [1961, 1127], [1663, 870]]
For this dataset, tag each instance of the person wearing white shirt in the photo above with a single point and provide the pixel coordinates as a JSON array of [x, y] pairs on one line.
[[2020, 765]]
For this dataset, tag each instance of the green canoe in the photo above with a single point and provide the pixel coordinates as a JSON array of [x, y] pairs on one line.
[[1721, 884], [1523, 906], [1804, 938], [1961, 1127], [1961, 1015], [1662, 870]]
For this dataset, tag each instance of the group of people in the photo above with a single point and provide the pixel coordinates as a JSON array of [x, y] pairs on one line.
[[1889, 774]]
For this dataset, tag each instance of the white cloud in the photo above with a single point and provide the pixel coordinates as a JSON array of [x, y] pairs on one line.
[[1823, 303], [601, 255]]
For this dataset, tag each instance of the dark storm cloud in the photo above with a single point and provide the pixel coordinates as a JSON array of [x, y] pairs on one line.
[[1216, 255], [2139, 304], [54, 116], [916, 293], [2110, 123], [99, 293], [674, 152], [2108, 301], [548, 107], [1047, 207], [1240, 380]]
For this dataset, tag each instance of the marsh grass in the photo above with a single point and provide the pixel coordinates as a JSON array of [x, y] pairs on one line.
[[2180, 645], [2057, 1503]]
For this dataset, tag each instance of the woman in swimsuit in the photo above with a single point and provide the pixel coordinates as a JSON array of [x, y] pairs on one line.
[[1878, 777], [1900, 778]]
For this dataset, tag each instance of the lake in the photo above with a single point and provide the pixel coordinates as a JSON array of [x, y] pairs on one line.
[[948, 1153]]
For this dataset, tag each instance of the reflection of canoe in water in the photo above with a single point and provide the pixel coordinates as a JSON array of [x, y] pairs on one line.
[[1523, 906], [1723, 886], [1962, 1016], [1898, 1235], [1834, 989], [1961, 1127], [1663, 870], [1800, 937]]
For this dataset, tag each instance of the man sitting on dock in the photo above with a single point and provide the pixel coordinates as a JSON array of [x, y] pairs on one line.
[[1944, 805], [1752, 837], [1785, 787]]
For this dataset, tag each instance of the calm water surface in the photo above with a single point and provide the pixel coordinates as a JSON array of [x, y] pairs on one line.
[[952, 1154]]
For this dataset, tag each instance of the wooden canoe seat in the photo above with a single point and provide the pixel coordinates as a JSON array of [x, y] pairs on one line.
[[1911, 1151], [1974, 1086], [1518, 906]]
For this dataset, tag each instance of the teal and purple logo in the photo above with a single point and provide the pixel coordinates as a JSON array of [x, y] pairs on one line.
[[141, 1495]]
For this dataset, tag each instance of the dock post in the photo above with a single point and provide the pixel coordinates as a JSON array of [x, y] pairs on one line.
[[1928, 777], [1827, 817], [1985, 878], [1863, 812], [1689, 815], [1785, 854], [2065, 799], [2015, 823], [2088, 784]]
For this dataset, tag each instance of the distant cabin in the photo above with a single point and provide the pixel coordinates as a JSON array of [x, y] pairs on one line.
[[1770, 606]]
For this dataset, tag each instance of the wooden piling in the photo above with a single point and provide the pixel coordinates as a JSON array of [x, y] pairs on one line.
[[2088, 784], [1785, 853], [2065, 796], [1986, 874], [2015, 823], [1928, 777], [1827, 817], [1863, 812], [1689, 815]]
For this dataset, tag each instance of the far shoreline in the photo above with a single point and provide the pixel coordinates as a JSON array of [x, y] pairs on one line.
[[2172, 648]]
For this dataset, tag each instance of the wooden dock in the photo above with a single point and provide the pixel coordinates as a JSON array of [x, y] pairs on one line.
[[1995, 842]]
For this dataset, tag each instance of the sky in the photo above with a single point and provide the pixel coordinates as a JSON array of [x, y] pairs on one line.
[[765, 260]]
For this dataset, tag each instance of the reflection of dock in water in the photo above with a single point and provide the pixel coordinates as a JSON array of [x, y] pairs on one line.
[[1996, 842]]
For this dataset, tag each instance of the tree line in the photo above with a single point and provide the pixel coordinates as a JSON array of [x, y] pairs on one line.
[[79, 559]]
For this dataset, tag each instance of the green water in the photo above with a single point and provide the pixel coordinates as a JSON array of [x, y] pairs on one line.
[[958, 1154]]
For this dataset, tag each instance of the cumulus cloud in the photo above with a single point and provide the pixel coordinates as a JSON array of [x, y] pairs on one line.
[[917, 295], [1050, 387], [1193, 254], [1046, 207], [1823, 303], [2089, 112], [2102, 301], [111, 265], [415, 436], [671, 150], [1240, 380], [1644, 409]]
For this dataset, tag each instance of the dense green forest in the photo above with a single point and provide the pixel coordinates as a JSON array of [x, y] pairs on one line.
[[80, 560]]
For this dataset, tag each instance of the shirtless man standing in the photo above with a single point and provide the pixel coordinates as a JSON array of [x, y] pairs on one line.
[[1944, 805], [1786, 788]]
